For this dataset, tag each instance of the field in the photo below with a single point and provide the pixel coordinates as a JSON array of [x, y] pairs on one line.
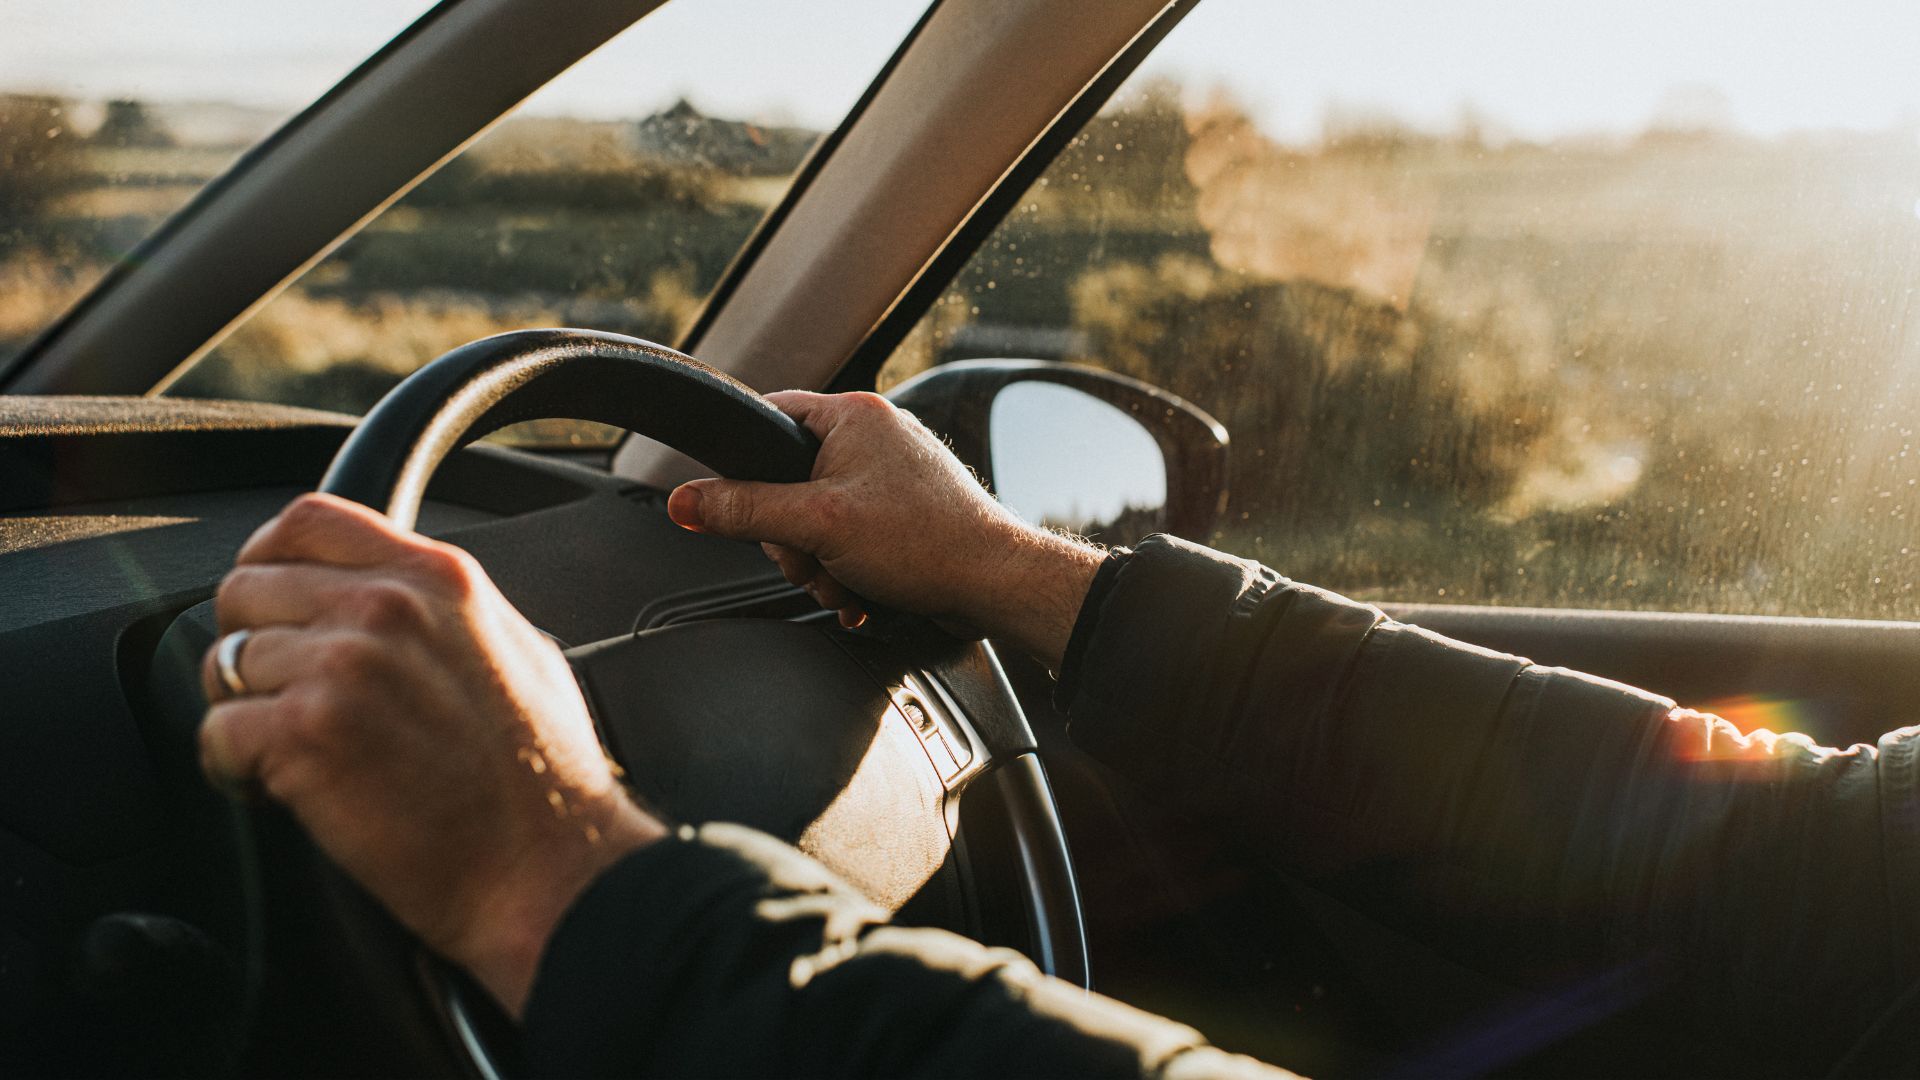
[[1674, 370]]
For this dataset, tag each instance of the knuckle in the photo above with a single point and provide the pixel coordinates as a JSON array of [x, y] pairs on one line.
[[833, 508], [306, 514], [218, 745], [213, 733], [733, 507], [343, 659], [867, 403], [233, 586], [450, 568], [385, 606], [306, 716]]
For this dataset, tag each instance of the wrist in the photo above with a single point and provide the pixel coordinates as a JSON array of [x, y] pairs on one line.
[[511, 933], [1037, 596]]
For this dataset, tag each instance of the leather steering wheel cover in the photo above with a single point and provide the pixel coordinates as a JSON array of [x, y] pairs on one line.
[[488, 384]]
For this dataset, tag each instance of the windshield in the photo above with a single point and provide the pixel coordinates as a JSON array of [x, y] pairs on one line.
[[113, 113], [613, 198]]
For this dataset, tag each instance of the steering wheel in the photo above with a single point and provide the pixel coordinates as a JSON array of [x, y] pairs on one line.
[[856, 746]]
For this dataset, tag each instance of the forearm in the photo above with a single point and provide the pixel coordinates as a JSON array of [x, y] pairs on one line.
[[1536, 824], [729, 954], [1035, 603]]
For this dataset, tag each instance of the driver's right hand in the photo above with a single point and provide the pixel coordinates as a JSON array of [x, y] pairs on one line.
[[891, 516]]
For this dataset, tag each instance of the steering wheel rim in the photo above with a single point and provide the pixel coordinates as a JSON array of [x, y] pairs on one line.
[[488, 384], [657, 392]]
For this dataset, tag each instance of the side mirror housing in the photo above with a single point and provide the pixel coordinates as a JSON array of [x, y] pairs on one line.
[[1079, 448]]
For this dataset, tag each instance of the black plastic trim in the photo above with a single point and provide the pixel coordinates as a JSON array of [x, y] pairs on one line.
[[863, 366]]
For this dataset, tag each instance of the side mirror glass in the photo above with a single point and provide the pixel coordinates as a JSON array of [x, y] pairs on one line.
[[1065, 459], [1077, 447]]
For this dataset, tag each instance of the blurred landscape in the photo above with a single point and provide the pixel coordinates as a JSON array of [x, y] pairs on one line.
[[1674, 369], [620, 226]]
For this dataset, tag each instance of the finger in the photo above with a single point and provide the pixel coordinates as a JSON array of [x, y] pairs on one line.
[[803, 570], [328, 529], [271, 657], [822, 413], [829, 593], [797, 567], [790, 515], [266, 594], [814, 411], [234, 740]]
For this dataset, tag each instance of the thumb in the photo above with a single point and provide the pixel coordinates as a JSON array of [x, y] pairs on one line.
[[743, 510]]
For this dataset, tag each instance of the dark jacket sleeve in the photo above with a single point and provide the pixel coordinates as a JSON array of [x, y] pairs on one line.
[[723, 952], [1539, 825]]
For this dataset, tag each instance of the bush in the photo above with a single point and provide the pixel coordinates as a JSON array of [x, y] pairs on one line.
[[636, 185], [37, 158]]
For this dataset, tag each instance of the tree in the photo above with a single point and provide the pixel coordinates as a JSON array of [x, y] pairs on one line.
[[130, 123]]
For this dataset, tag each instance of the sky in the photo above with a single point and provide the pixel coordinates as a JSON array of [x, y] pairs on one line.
[[1064, 457], [1551, 67], [797, 60], [1538, 68]]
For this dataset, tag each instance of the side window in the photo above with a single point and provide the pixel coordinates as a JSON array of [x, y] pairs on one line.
[[613, 199], [1518, 311]]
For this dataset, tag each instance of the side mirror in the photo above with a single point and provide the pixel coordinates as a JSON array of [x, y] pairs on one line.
[[1064, 445]]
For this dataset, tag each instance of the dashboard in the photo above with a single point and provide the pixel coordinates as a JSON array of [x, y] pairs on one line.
[[117, 881]]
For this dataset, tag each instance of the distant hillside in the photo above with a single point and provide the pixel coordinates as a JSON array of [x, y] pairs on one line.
[[682, 134], [215, 123]]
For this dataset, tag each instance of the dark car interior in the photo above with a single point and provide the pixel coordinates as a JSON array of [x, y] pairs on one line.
[[152, 926], [848, 746]]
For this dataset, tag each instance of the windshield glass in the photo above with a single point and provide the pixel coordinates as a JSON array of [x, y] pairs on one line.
[[113, 113], [613, 199]]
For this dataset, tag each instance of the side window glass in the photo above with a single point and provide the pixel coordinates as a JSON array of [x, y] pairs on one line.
[[1519, 311]]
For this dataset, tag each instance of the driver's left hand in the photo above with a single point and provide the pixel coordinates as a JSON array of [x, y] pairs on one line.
[[431, 741]]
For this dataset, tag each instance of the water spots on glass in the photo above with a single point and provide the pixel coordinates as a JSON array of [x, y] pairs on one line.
[[1627, 364]]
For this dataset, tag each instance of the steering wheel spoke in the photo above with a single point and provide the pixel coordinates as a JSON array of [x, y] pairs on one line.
[[776, 726]]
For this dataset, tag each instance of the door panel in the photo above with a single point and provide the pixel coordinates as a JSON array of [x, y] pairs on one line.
[[1839, 681]]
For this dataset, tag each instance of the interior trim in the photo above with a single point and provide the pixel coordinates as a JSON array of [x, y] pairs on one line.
[[864, 365], [1837, 680], [716, 300], [981, 82]]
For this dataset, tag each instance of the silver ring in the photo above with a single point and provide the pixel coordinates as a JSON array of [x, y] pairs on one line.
[[226, 661]]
